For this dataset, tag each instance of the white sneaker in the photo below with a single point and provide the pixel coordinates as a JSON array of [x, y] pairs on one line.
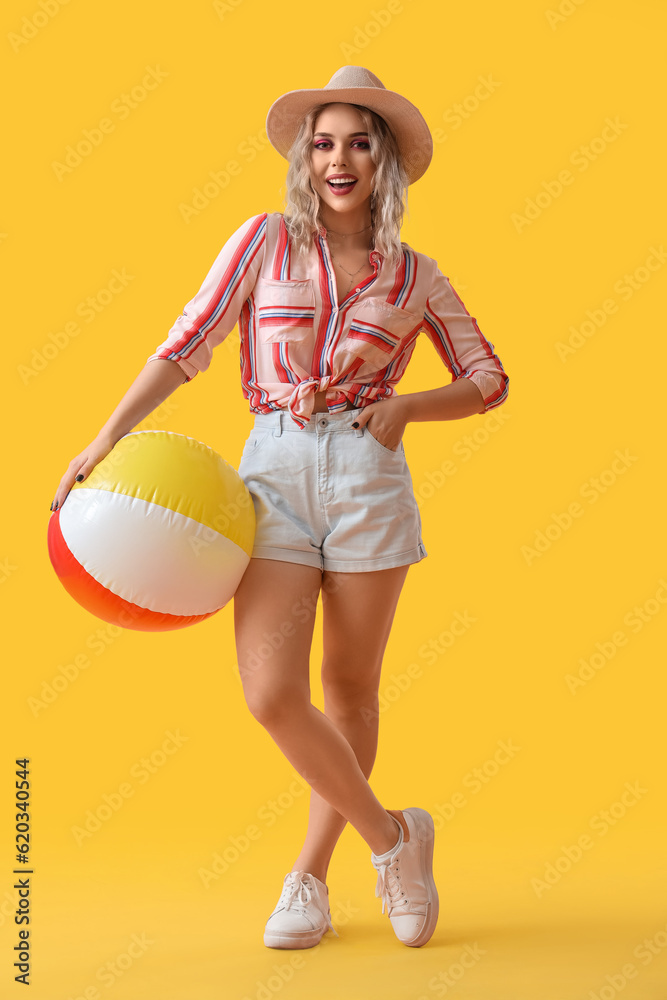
[[301, 917], [405, 881]]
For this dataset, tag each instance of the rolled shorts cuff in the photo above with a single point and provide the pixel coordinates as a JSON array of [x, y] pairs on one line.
[[288, 555], [340, 565], [383, 562]]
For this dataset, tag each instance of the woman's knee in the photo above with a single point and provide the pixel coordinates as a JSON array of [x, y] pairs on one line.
[[348, 692], [271, 704]]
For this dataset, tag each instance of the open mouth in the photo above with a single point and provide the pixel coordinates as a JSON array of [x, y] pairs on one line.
[[341, 185]]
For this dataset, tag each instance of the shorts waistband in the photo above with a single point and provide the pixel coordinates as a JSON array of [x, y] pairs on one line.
[[324, 422]]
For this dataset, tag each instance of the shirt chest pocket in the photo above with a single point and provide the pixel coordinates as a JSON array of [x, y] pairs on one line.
[[377, 331], [285, 310]]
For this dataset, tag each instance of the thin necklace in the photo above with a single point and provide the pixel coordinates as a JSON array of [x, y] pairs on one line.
[[350, 283], [349, 234], [351, 273]]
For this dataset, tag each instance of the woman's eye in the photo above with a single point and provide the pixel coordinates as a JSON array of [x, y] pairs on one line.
[[357, 144]]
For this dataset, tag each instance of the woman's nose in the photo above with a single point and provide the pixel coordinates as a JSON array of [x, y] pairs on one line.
[[337, 158]]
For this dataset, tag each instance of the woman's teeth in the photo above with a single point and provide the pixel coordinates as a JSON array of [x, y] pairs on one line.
[[342, 185]]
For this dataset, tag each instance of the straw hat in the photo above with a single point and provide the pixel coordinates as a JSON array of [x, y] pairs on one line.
[[355, 85]]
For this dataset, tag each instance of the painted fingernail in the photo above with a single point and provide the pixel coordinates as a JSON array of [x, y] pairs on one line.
[[55, 506], [79, 478], [51, 507], [355, 424]]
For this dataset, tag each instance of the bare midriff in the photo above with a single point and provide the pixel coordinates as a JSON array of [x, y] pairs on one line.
[[320, 403]]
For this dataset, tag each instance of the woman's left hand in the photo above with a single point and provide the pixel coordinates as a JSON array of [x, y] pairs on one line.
[[386, 421]]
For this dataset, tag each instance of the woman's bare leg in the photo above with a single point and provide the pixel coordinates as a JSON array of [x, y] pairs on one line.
[[358, 610], [277, 600]]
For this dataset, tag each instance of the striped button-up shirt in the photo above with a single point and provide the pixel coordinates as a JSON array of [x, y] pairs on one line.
[[296, 339]]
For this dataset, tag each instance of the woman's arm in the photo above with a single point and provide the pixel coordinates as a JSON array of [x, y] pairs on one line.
[[463, 348], [154, 383], [459, 399], [205, 321]]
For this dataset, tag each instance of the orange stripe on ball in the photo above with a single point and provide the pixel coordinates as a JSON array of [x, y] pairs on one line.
[[98, 600]]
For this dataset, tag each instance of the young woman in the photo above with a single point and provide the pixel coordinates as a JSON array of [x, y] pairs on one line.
[[329, 304]]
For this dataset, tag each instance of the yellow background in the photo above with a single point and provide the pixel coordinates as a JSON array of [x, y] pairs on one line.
[[558, 79]]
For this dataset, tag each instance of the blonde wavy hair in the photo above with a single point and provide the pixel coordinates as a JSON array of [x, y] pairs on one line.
[[390, 195]]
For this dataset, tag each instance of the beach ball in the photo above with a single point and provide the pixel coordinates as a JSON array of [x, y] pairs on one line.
[[158, 536]]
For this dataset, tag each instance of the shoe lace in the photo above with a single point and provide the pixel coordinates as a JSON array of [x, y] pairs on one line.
[[389, 887], [299, 890]]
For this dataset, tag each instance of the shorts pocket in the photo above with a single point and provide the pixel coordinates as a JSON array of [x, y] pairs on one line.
[[254, 443], [383, 448], [285, 310], [377, 331]]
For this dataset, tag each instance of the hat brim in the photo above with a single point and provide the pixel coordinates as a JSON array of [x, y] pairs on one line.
[[412, 134]]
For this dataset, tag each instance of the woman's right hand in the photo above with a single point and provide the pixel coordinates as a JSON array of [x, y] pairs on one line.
[[80, 468]]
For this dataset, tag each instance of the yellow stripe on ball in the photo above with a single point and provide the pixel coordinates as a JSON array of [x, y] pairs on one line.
[[183, 475]]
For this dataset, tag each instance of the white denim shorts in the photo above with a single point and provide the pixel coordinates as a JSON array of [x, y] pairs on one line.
[[330, 495]]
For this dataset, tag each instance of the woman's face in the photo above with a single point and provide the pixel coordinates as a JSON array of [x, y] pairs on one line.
[[341, 150]]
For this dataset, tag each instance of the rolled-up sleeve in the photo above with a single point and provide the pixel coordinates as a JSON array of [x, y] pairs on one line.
[[460, 343], [212, 314]]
